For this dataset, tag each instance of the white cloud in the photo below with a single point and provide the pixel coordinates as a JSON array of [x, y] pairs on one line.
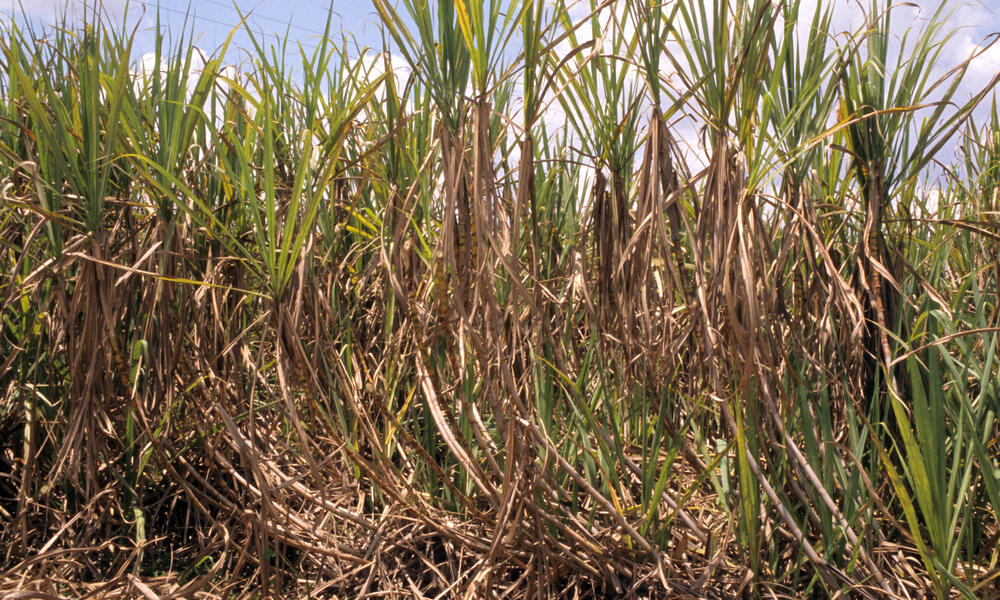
[[372, 66], [983, 67]]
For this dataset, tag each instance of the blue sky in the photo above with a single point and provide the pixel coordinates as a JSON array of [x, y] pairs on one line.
[[971, 20], [214, 19]]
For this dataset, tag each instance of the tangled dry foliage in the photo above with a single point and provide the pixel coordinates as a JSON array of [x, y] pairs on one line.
[[308, 329]]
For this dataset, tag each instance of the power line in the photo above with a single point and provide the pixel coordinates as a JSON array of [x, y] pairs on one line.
[[182, 13], [251, 14], [306, 45]]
